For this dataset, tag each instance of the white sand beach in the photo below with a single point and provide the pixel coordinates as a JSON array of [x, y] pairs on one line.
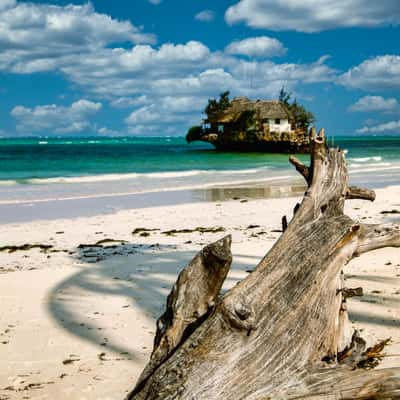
[[77, 320]]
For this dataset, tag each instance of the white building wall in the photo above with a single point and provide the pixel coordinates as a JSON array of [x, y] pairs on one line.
[[284, 126]]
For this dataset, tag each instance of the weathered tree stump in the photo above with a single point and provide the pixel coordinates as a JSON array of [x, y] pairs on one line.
[[283, 332]]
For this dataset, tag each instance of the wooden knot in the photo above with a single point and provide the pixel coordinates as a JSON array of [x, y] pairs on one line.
[[242, 312], [239, 315]]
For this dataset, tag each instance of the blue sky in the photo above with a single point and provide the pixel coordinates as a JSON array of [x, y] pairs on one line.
[[147, 67]]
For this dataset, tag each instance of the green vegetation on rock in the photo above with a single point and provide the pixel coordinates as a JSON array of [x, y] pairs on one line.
[[301, 118], [216, 107]]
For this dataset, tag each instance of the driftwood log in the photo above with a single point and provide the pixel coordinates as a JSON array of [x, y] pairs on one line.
[[283, 332]]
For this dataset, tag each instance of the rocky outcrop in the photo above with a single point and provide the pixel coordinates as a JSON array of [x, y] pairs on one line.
[[295, 141]]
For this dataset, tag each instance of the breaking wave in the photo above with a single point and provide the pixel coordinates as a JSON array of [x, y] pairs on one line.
[[129, 176]]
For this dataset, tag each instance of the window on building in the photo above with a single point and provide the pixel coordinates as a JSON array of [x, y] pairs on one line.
[[220, 128], [277, 121]]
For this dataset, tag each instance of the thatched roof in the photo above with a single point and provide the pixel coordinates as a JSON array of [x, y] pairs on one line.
[[264, 109]]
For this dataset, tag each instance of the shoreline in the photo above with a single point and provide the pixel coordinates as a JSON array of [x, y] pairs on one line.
[[22, 211], [27, 211]]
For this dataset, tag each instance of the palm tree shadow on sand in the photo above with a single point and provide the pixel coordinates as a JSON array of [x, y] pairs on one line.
[[106, 302]]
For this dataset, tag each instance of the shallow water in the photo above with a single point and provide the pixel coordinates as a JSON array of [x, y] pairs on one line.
[[34, 171]]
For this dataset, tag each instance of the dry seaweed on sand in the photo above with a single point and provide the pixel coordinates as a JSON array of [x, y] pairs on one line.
[[26, 247], [144, 232], [198, 229]]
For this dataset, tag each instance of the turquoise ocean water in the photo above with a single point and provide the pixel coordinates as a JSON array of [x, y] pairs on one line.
[[43, 170]]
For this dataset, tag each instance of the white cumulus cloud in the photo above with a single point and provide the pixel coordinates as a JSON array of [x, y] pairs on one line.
[[56, 119], [389, 127], [313, 15], [379, 73], [168, 109], [375, 103], [190, 69], [261, 46], [41, 37]]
